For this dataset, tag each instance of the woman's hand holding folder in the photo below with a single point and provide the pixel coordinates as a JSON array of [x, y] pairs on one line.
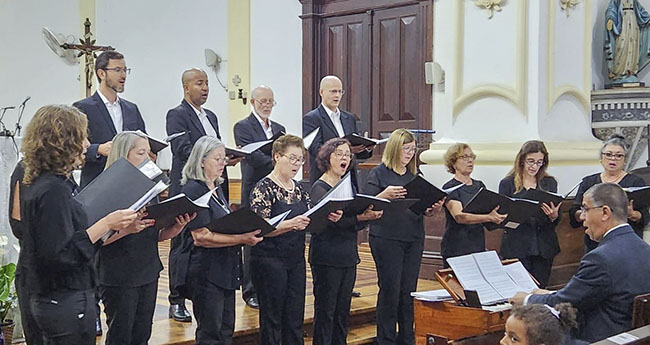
[[496, 217], [393, 192]]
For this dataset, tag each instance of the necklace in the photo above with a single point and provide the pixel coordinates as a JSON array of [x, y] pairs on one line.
[[615, 179], [293, 185]]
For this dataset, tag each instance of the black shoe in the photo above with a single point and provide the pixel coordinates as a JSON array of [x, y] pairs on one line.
[[98, 327], [179, 313], [356, 294], [252, 302]]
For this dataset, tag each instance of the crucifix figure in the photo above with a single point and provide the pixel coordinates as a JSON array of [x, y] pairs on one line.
[[87, 48]]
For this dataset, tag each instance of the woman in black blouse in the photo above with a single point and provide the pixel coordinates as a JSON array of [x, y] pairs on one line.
[[464, 232], [397, 241], [58, 247], [613, 155], [129, 265], [534, 242], [278, 263], [211, 261], [333, 253]]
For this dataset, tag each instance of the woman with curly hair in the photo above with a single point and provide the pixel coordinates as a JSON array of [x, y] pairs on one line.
[[539, 324], [58, 247]]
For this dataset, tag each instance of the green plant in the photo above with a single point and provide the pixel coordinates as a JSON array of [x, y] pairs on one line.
[[7, 294]]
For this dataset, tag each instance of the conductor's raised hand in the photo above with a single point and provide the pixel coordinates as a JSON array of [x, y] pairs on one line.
[[393, 192], [251, 238], [335, 216], [496, 217], [120, 219]]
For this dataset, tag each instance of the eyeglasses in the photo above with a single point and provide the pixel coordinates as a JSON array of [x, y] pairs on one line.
[[295, 160], [409, 149], [334, 92], [119, 70], [532, 162], [220, 159], [341, 154], [613, 156], [584, 208], [271, 102], [468, 158]]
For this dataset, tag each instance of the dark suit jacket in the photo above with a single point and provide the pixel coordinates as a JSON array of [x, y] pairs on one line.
[[101, 129], [258, 164], [604, 287], [319, 118], [184, 119]]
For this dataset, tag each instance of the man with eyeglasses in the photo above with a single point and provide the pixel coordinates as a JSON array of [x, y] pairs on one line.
[[255, 128], [107, 113], [611, 275], [333, 123]]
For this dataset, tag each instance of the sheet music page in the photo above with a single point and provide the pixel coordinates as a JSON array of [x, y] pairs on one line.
[[204, 199], [470, 277], [449, 190], [343, 189], [432, 296], [250, 148], [157, 189], [173, 136], [278, 219], [309, 138], [520, 276], [493, 271]]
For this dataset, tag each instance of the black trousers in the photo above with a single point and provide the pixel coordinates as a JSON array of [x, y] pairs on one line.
[[398, 267], [247, 287], [65, 317], [33, 335], [539, 267], [129, 313], [280, 284], [214, 310], [332, 295], [174, 296]]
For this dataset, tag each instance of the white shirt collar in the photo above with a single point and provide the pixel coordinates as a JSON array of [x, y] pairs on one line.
[[106, 101], [614, 228], [199, 112], [331, 113]]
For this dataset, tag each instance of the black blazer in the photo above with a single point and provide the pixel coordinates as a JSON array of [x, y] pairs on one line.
[[319, 118], [184, 119], [101, 129], [604, 287], [532, 237], [258, 164]]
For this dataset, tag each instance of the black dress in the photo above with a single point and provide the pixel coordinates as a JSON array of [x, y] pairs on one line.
[[629, 180], [534, 242], [333, 257], [396, 242], [278, 265], [461, 239], [56, 261], [211, 274]]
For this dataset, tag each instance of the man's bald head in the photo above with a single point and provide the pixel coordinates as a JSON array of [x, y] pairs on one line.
[[191, 74], [331, 91], [195, 86], [330, 80]]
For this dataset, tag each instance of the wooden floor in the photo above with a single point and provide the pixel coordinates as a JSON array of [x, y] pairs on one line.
[[166, 331]]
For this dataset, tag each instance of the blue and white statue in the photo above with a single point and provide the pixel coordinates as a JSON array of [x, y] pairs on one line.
[[627, 40]]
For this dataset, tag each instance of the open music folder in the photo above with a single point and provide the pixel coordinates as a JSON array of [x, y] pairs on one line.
[[640, 195], [165, 212], [484, 273], [427, 193], [244, 220], [264, 146], [547, 197], [356, 140], [518, 210], [155, 144], [338, 198]]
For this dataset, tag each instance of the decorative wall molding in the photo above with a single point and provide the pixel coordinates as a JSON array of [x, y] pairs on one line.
[[568, 5], [580, 93], [490, 5], [516, 93]]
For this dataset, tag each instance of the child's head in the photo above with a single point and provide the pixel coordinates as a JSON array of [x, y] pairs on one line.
[[537, 324]]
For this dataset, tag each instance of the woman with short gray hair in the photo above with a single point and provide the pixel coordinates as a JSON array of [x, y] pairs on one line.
[[208, 262]]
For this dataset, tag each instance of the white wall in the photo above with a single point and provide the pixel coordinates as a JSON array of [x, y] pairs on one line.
[[276, 57], [27, 65], [159, 43]]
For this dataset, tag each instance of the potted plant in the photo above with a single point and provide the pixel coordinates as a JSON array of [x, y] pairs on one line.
[[7, 296]]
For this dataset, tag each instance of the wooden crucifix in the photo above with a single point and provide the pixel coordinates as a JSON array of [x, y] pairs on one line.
[[87, 48]]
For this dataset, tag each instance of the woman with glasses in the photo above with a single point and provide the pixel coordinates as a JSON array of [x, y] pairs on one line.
[[612, 157], [464, 232], [128, 265], [278, 262], [209, 262], [333, 253], [534, 242], [397, 240]]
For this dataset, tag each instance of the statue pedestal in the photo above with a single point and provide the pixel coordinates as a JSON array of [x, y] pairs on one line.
[[625, 111]]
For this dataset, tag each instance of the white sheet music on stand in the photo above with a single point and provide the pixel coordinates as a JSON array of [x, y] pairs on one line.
[[518, 273]]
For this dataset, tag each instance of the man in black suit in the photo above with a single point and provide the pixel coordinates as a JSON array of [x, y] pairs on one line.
[[333, 123], [107, 113], [611, 275], [195, 121], [256, 127]]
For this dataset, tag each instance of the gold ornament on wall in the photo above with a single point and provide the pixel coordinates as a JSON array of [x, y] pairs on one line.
[[490, 5], [567, 5]]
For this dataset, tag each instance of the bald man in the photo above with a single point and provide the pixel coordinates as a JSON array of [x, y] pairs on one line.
[[189, 117], [333, 123]]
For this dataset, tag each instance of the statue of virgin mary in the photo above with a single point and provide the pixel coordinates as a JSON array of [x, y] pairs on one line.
[[627, 40]]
